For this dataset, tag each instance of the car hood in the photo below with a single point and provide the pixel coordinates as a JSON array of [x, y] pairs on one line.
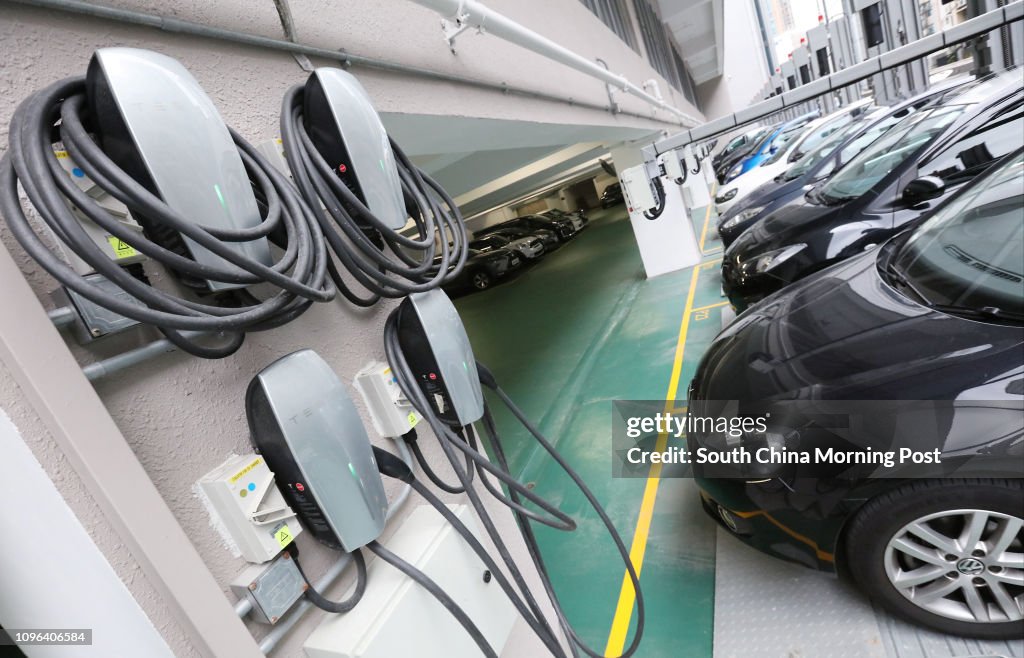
[[846, 334], [786, 225], [761, 196]]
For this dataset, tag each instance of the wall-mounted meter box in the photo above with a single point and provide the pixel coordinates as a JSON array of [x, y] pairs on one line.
[[247, 508], [391, 412], [670, 162], [638, 189], [118, 250]]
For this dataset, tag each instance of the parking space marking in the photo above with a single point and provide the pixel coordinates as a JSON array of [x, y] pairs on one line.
[[627, 597]]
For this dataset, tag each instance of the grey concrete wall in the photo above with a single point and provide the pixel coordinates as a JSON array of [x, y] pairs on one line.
[[183, 416], [744, 70]]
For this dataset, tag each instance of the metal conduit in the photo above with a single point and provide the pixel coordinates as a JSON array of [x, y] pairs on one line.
[[474, 14], [174, 25]]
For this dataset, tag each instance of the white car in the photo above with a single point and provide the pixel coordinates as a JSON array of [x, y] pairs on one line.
[[790, 146]]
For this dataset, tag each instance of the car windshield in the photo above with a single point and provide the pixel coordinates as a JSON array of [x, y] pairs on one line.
[[822, 151], [734, 144], [780, 142], [889, 151], [970, 254], [820, 134]]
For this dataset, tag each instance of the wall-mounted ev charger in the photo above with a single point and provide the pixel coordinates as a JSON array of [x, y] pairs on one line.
[[303, 422], [366, 190], [159, 126], [347, 131], [437, 348], [138, 128]]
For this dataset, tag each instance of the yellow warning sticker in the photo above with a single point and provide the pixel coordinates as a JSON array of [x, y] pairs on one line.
[[121, 248], [413, 419], [237, 476], [283, 536], [60, 154]]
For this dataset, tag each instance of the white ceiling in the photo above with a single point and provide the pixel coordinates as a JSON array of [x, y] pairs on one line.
[[486, 163], [697, 26]]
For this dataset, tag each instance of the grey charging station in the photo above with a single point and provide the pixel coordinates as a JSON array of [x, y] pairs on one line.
[[438, 350], [305, 425], [160, 126], [347, 131]]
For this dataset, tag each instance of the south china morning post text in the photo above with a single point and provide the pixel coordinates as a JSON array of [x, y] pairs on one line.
[[752, 441]]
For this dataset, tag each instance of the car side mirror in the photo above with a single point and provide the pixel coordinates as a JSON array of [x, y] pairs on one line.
[[923, 189]]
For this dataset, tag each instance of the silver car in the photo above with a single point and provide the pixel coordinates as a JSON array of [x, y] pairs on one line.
[[529, 247]]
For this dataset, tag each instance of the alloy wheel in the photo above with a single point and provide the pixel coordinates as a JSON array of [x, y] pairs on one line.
[[965, 564]]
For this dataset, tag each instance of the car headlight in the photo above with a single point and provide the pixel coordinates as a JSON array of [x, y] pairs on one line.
[[744, 216], [772, 259], [735, 171], [729, 195]]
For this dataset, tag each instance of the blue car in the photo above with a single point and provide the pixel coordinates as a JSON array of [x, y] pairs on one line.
[[770, 144]]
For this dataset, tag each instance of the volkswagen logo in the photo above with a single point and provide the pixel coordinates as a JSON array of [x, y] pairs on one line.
[[970, 566]]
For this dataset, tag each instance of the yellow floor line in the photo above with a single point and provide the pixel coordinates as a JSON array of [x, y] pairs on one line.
[[709, 307], [627, 597], [707, 220]]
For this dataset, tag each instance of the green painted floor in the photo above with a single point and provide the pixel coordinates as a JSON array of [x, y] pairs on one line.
[[565, 338]]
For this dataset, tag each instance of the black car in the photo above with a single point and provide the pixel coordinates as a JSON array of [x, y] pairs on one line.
[[928, 328], [547, 236], [879, 192], [612, 195], [818, 164], [483, 268], [563, 228]]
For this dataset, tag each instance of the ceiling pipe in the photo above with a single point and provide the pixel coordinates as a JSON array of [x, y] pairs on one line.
[[346, 59], [469, 13]]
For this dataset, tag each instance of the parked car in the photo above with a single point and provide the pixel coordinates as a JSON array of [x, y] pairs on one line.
[[770, 145], [563, 228], [578, 217], [830, 156], [934, 314], [547, 236], [483, 269], [791, 145], [880, 191], [727, 162], [529, 247], [736, 143], [612, 195]]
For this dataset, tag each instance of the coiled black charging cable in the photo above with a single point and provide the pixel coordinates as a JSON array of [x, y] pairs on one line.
[[384, 261], [299, 276]]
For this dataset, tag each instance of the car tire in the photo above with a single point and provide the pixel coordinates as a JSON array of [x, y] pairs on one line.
[[936, 552], [481, 280]]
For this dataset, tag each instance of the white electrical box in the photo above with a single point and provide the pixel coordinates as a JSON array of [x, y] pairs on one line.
[[118, 250], [397, 617], [390, 411], [247, 508], [638, 189], [673, 168]]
